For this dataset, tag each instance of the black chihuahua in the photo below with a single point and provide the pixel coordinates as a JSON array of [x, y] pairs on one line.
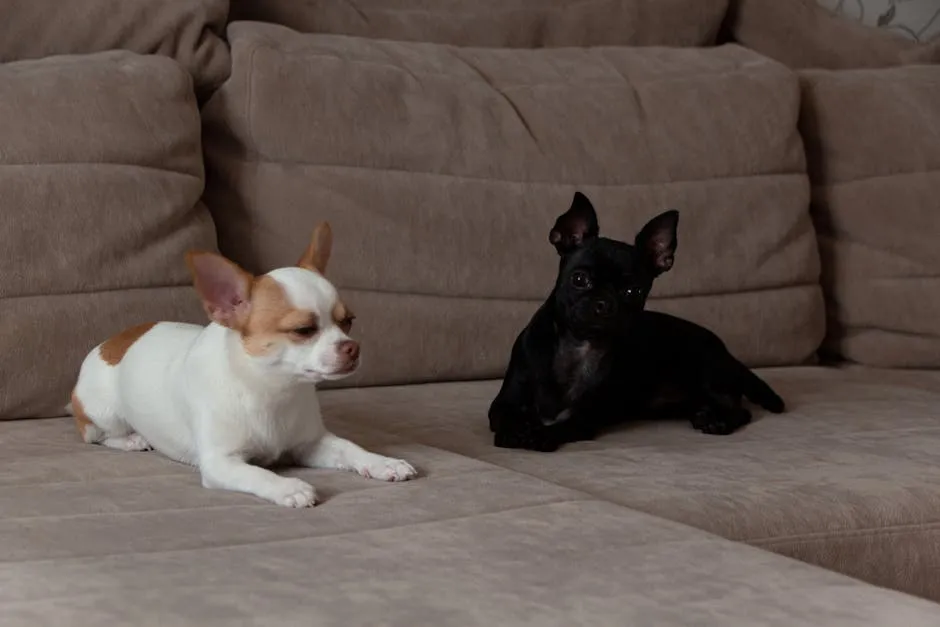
[[592, 356]]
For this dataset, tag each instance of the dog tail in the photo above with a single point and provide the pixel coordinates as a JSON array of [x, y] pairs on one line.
[[756, 389]]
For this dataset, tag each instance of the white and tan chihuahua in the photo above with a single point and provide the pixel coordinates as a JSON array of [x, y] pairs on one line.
[[239, 392]]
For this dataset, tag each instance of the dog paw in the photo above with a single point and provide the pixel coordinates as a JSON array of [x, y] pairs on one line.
[[720, 422], [132, 442], [506, 439], [136, 442], [388, 469], [291, 492]]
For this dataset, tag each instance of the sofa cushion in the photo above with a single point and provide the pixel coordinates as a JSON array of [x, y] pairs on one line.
[[501, 23], [847, 479], [100, 177], [442, 170], [803, 34], [873, 146], [82, 525], [186, 30]]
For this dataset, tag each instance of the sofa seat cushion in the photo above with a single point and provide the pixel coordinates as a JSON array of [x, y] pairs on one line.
[[873, 148], [501, 23], [100, 178], [442, 170], [188, 31], [848, 478], [466, 544]]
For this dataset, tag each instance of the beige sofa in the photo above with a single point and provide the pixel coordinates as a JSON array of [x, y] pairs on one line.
[[441, 140]]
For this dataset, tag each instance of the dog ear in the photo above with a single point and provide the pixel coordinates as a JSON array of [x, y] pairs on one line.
[[223, 287], [574, 227], [657, 241], [318, 251]]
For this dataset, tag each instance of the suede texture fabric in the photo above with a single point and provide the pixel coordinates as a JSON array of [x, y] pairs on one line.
[[873, 147], [501, 23], [188, 31], [414, 151], [486, 536], [100, 189]]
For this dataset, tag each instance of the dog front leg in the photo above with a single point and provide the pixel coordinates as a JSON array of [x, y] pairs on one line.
[[229, 472], [334, 452]]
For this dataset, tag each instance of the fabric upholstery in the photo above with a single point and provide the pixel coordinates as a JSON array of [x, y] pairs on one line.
[[415, 150], [873, 146], [189, 31], [501, 23], [803, 34], [846, 478], [100, 178], [92, 536]]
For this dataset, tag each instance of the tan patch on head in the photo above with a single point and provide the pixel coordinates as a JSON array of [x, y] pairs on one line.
[[343, 316], [82, 422], [273, 319], [114, 349]]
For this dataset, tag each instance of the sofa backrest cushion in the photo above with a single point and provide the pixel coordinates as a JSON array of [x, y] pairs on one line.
[[501, 23], [873, 148], [100, 178], [189, 31], [442, 170]]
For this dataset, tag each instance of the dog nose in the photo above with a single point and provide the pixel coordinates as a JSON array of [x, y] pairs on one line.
[[602, 308], [348, 349]]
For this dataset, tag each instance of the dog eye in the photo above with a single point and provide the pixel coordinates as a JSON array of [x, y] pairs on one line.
[[309, 331], [581, 280], [346, 323], [633, 291]]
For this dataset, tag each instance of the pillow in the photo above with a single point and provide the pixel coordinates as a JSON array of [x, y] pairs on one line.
[[912, 19], [186, 30], [443, 169], [803, 34], [873, 146], [100, 179], [501, 23]]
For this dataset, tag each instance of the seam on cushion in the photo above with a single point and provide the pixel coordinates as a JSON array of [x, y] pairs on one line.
[[655, 299], [757, 542], [587, 492], [873, 177], [455, 11], [206, 589], [880, 279], [314, 55], [489, 467], [259, 505], [96, 291], [893, 331], [610, 452], [420, 294], [188, 472], [823, 536], [112, 164], [311, 534], [864, 279], [264, 160], [505, 98], [827, 234]]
